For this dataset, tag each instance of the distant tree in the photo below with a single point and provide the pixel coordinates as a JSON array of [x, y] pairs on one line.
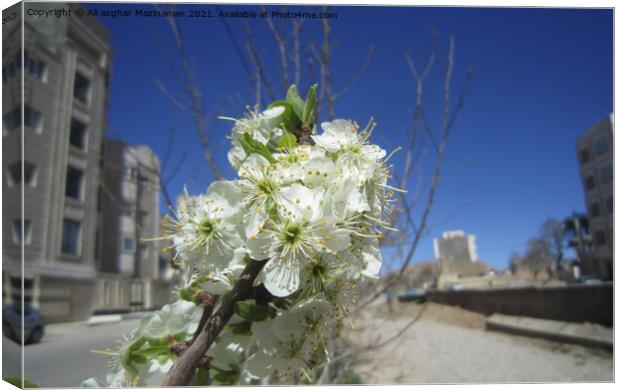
[[552, 234], [514, 262], [538, 257]]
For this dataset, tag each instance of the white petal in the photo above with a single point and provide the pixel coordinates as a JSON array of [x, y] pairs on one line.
[[273, 112], [372, 259], [254, 166], [281, 277], [259, 246]]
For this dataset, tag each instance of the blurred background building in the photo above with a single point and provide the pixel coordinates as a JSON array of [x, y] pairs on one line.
[[595, 156], [129, 213], [456, 247], [81, 250], [458, 259]]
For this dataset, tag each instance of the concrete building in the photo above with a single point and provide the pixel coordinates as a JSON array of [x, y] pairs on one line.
[[595, 155], [66, 64], [458, 258], [129, 218], [456, 247]]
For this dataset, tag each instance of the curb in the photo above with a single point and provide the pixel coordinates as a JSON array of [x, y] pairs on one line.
[[104, 319], [550, 330]]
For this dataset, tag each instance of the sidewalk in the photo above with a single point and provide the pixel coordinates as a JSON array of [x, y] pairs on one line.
[[110, 318], [584, 334]]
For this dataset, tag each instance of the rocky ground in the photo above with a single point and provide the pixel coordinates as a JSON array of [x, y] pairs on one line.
[[450, 345]]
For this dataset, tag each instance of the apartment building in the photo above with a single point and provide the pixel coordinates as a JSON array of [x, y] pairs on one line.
[[129, 211], [64, 69], [595, 155]]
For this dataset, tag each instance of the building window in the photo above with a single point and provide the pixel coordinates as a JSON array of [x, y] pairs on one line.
[[130, 173], [585, 156], [81, 88], [73, 186], [143, 182], [609, 204], [590, 183], [606, 174], [33, 67], [70, 236], [595, 209], [77, 136], [601, 146], [129, 244], [17, 231], [128, 210], [599, 237], [15, 174], [13, 120]]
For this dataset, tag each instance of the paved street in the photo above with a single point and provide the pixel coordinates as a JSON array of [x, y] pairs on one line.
[[63, 358]]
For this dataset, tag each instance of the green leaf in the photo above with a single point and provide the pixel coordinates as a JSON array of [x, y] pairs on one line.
[[307, 117], [250, 145], [187, 294], [138, 358], [242, 328], [17, 382], [288, 141], [202, 377], [226, 377], [250, 311], [296, 101], [289, 119], [161, 359], [153, 351]]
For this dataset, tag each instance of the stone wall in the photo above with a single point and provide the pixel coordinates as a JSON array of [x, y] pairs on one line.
[[578, 303]]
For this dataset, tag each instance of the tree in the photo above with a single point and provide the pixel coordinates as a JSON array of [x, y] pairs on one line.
[[412, 217], [538, 256], [552, 233]]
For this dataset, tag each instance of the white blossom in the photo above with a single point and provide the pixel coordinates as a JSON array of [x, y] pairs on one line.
[[313, 213]]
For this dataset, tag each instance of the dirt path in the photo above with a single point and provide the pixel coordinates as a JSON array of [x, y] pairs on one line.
[[449, 345]]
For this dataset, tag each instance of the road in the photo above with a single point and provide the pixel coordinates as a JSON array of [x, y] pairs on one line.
[[443, 347], [449, 345], [63, 358]]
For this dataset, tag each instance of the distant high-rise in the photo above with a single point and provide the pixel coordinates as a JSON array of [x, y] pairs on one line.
[[65, 70], [595, 156], [456, 247]]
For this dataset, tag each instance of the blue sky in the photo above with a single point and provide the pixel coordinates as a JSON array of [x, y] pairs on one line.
[[541, 78]]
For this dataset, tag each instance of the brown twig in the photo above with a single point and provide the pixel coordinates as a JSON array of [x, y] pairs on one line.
[[184, 368]]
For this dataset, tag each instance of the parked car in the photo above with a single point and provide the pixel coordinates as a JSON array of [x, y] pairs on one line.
[[418, 294], [454, 286], [12, 322], [591, 281]]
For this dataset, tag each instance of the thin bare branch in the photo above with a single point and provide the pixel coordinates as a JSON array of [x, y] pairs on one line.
[[281, 42], [189, 85], [296, 50], [255, 58], [435, 178], [358, 75], [175, 100], [325, 58]]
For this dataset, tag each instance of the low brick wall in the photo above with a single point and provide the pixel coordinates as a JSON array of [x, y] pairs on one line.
[[578, 303]]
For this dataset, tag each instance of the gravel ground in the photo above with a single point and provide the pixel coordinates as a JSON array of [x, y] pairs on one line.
[[449, 345]]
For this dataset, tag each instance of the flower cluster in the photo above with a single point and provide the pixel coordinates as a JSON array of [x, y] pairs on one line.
[[313, 212]]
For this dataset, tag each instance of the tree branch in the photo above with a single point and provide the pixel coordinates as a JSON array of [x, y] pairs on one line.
[[184, 368]]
